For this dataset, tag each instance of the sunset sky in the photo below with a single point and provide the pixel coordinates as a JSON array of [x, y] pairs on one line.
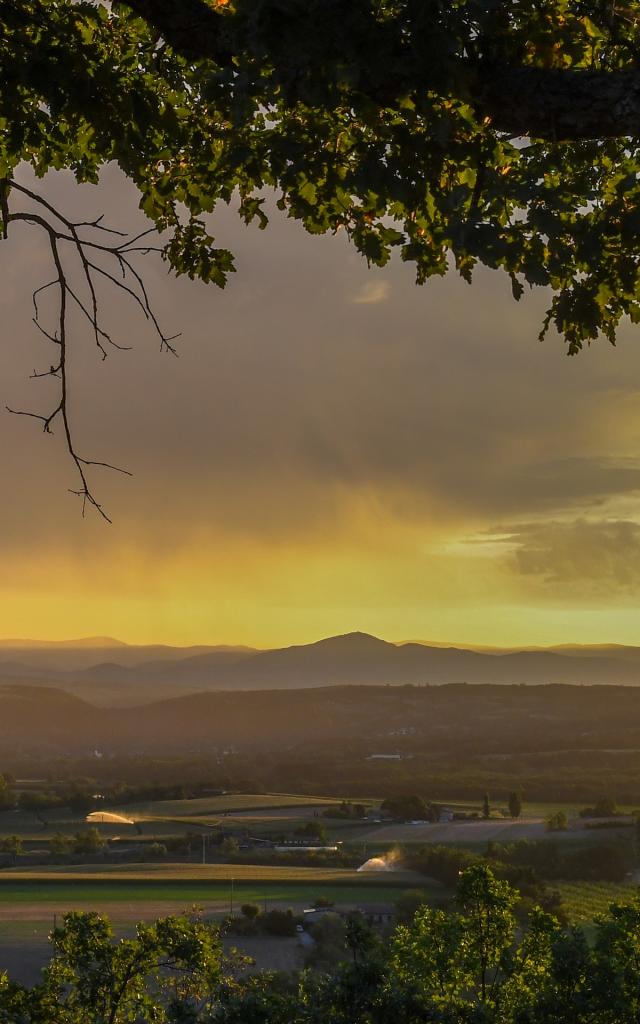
[[335, 449]]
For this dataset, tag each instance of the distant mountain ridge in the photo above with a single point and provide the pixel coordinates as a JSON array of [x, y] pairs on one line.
[[91, 642], [122, 674]]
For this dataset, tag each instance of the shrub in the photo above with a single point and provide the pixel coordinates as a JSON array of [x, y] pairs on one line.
[[155, 850], [557, 822], [323, 902], [279, 922], [250, 911], [604, 808]]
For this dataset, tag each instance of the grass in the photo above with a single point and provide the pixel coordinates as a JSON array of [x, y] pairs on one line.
[[244, 892]]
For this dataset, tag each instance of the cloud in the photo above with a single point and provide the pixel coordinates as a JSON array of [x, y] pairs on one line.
[[559, 484], [592, 556], [371, 293], [299, 438]]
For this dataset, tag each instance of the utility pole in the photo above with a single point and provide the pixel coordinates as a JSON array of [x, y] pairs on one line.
[[231, 897], [204, 856]]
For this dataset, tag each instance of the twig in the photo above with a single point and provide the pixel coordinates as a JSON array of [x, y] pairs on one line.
[[61, 231]]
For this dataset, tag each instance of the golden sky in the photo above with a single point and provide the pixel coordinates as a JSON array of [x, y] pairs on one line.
[[335, 449]]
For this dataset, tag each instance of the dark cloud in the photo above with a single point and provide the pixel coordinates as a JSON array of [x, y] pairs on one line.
[[311, 385], [600, 556]]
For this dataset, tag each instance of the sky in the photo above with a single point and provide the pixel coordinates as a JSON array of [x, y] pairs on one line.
[[335, 449]]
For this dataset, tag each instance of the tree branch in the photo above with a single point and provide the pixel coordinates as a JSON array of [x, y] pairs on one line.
[[60, 231], [553, 104], [191, 28]]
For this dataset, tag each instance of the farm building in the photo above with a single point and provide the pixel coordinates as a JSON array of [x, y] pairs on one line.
[[377, 913], [315, 914]]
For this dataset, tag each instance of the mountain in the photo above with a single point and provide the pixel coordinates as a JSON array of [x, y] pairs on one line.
[[360, 659], [91, 642], [125, 675], [77, 655]]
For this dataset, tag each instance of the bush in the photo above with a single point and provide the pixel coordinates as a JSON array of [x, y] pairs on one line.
[[557, 822], [330, 942], [604, 808], [599, 863], [407, 905], [37, 800], [409, 808], [549, 860], [11, 845], [279, 922], [89, 841], [60, 845], [313, 830], [156, 850], [323, 902], [443, 863], [230, 846], [7, 796], [250, 911]]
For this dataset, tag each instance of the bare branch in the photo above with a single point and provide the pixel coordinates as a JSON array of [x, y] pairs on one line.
[[53, 371], [50, 337], [60, 232], [46, 420]]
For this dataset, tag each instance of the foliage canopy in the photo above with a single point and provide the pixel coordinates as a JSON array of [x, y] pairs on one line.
[[466, 132]]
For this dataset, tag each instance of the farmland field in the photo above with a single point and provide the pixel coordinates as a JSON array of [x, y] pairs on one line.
[[229, 802], [142, 873], [133, 884], [583, 901], [265, 814], [161, 818], [501, 830], [91, 894]]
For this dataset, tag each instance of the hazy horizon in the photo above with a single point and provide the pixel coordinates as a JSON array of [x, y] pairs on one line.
[[101, 642]]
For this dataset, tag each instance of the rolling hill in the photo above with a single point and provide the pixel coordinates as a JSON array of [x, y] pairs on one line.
[[354, 721]]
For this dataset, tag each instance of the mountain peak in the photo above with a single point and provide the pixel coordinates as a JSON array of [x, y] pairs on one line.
[[353, 640]]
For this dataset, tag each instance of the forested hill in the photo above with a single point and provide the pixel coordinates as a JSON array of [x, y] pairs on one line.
[[494, 720]]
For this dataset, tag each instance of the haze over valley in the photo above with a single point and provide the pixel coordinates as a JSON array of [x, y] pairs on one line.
[[392, 715], [110, 673]]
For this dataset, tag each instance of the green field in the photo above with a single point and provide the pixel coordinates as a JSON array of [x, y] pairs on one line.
[[161, 872], [75, 894], [584, 901], [198, 883]]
